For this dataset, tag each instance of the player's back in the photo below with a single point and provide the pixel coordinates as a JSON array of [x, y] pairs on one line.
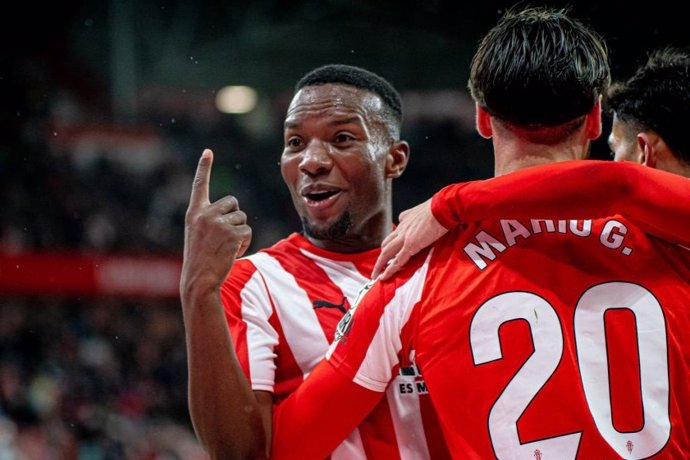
[[558, 339]]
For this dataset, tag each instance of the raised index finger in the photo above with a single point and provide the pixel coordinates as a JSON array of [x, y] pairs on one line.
[[202, 178]]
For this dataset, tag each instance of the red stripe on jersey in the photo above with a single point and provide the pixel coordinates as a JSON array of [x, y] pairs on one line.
[[242, 271], [288, 373], [378, 435], [432, 430]]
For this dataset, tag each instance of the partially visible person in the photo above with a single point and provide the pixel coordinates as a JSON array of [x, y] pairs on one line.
[[651, 115], [537, 338], [274, 315]]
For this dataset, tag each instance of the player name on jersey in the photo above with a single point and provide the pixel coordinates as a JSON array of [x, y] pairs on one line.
[[486, 247]]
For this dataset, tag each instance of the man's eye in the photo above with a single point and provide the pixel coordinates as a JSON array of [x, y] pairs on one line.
[[343, 137], [293, 142]]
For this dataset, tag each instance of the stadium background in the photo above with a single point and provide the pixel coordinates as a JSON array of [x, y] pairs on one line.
[[105, 107]]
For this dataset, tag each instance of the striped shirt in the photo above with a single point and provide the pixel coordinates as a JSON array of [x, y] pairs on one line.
[[283, 305]]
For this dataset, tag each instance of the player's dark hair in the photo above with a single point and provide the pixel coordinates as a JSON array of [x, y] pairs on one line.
[[657, 97], [358, 78], [539, 67]]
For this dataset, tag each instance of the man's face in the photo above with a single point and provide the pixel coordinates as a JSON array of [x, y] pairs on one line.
[[334, 160], [623, 142]]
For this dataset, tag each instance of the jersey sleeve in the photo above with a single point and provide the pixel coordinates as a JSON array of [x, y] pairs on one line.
[[654, 200], [319, 415], [248, 309]]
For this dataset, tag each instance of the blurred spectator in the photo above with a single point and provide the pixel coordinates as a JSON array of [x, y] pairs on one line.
[[93, 380]]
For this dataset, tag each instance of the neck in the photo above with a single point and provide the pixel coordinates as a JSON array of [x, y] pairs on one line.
[[513, 152], [348, 244], [667, 161]]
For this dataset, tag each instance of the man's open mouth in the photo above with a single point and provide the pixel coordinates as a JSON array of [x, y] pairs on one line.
[[320, 196]]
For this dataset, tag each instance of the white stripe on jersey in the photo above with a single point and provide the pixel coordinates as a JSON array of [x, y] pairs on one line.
[[300, 324], [407, 422], [382, 354], [261, 337], [350, 449], [344, 274]]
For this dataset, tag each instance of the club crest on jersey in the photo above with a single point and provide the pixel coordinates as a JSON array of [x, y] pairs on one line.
[[345, 324], [363, 291], [344, 327]]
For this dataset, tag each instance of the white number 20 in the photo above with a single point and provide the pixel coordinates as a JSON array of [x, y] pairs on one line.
[[592, 357]]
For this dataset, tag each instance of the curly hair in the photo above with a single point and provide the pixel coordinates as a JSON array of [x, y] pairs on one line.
[[657, 97]]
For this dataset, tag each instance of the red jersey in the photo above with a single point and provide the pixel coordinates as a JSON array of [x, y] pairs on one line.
[[539, 339], [655, 200], [283, 305]]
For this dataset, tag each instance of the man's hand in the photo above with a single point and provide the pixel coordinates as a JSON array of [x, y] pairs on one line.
[[418, 229], [215, 233]]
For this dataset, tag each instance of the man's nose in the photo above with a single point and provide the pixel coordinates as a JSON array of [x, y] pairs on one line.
[[316, 158]]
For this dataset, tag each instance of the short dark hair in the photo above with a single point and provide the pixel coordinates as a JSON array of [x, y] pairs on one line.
[[539, 67], [358, 78], [657, 97]]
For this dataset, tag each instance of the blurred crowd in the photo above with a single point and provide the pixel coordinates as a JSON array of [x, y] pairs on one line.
[[93, 380]]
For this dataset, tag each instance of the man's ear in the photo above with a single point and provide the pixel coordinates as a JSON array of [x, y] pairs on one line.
[[396, 161], [648, 146], [483, 122], [594, 121]]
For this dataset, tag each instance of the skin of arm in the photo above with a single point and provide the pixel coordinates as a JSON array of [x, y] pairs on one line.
[[654, 200], [327, 407], [227, 417]]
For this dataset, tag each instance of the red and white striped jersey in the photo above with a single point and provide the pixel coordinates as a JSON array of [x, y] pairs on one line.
[[538, 339], [283, 305]]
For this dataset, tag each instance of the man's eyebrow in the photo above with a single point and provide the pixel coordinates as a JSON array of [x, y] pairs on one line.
[[335, 122]]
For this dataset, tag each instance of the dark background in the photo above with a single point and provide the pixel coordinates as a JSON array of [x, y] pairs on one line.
[[105, 108], [151, 68]]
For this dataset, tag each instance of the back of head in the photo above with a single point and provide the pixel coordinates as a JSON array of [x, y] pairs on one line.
[[359, 78], [657, 97], [539, 68]]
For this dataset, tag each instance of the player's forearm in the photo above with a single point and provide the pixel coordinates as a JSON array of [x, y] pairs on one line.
[[659, 203], [654, 200], [222, 406], [319, 415], [567, 190]]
